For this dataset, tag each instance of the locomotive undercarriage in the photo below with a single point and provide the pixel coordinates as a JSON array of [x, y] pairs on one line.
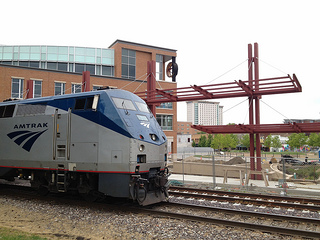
[[146, 188], [86, 184], [151, 187]]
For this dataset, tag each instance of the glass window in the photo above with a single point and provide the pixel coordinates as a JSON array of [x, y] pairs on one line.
[[79, 58], [107, 61], [106, 70], [76, 88], [17, 88], [63, 66], [7, 56], [52, 57], [52, 65], [37, 89], [165, 121], [142, 118], [63, 50], [34, 64], [159, 67], [95, 88], [35, 49], [128, 64], [142, 107], [24, 56], [63, 57], [124, 103], [80, 104], [80, 51], [25, 49], [167, 105], [59, 88], [79, 68], [90, 68], [24, 63], [34, 56], [52, 49], [91, 52]]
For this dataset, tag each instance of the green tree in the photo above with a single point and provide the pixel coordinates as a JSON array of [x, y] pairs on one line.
[[202, 141], [297, 140], [245, 141], [218, 141], [230, 141], [193, 143], [209, 140], [268, 141], [314, 140], [276, 143]]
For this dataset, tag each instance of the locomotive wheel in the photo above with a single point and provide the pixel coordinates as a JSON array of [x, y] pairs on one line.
[[91, 196], [43, 190]]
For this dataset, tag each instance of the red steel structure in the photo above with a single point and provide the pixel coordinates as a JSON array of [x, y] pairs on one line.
[[253, 89]]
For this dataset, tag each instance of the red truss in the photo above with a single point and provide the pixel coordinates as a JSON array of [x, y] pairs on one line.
[[261, 128], [286, 84]]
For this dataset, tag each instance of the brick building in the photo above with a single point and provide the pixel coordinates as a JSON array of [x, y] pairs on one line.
[[38, 71]]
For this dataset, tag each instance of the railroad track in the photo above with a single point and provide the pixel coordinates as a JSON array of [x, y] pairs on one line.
[[305, 204], [273, 223], [257, 221]]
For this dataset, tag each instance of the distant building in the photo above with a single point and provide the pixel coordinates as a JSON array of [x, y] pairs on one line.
[[301, 120], [204, 113], [185, 128]]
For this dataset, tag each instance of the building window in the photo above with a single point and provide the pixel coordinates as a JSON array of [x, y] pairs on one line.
[[165, 121], [76, 88], [96, 88], [37, 89], [128, 65], [159, 67], [59, 88], [17, 88]]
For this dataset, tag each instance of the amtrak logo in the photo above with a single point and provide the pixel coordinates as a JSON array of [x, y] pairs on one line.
[[27, 138], [145, 124]]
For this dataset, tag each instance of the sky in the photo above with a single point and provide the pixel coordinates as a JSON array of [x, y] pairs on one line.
[[211, 39]]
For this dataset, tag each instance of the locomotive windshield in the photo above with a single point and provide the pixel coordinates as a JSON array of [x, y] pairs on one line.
[[143, 107], [124, 104]]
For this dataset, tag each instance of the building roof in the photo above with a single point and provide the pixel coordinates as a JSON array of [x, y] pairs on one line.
[[141, 45]]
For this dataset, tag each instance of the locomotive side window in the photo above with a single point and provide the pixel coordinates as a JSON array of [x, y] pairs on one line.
[[89, 103], [1, 111], [7, 111], [84, 104], [80, 104], [124, 104], [143, 107]]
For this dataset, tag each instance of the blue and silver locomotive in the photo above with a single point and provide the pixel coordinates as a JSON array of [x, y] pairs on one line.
[[99, 143]]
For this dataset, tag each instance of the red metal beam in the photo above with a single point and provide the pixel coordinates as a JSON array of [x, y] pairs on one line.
[[261, 128], [234, 89]]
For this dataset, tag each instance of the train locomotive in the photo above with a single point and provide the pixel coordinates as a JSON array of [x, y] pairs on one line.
[[99, 143]]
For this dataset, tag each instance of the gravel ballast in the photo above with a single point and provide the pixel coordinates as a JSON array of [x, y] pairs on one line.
[[56, 220]]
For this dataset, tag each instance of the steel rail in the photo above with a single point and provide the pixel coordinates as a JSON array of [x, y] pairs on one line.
[[232, 223], [296, 203]]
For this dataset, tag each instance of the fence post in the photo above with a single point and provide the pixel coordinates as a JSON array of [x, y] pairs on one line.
[[213, 172]]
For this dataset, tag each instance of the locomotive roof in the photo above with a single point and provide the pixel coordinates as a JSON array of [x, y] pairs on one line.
[[112, 92]]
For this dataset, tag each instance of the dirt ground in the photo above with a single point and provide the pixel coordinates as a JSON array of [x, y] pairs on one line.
[[56, 221]]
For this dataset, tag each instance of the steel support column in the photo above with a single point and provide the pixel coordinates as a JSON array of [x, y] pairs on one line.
[[257, 107], [250, 98], [85, 81], [151, 84]]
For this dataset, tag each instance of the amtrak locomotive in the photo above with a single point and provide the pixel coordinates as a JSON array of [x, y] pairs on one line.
[[100, 143]]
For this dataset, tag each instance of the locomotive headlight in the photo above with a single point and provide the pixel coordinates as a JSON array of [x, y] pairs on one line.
[[141, 148], [153, 137]]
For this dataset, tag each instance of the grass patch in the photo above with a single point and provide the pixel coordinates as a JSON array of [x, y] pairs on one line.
[[12, 234]]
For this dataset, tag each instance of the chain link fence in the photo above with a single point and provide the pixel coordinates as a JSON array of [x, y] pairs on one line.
[[278, 170]]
